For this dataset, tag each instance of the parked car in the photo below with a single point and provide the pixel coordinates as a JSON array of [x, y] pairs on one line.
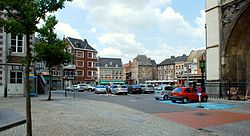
[[147, 88], [90, 88], [117, 89], [100, 89], [134, 89], [77, 88], [163, 92], [186, 94], [82, 87], [70, 88]]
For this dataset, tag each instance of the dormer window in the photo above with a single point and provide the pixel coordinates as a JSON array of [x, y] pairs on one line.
[[110, 63], [106, 65], [116, 65]]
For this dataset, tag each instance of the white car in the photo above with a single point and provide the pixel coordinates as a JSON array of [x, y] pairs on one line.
[[72, 87], [90, 88], [82, 87]]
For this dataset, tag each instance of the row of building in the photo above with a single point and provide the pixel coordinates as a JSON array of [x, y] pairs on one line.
[[86, 67]]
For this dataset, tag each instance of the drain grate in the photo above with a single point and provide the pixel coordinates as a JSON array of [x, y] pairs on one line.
[[201, 114], [205, 130]]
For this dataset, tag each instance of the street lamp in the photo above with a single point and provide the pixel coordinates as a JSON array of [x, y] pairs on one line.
[[202, 67], [6, 71]]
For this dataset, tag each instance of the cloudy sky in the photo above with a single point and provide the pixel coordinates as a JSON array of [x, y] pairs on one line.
[[126, 28]]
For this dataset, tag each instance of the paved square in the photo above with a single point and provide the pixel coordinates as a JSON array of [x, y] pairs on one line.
[[203, 118]]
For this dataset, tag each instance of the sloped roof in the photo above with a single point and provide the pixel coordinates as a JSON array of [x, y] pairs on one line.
[[109, 62], [168, 61], [78, 43], [194, 54], [143, 60], [181, 58], [153, 62], [172, 60]]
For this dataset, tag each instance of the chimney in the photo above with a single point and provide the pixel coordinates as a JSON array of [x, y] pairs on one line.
[[172, 57]]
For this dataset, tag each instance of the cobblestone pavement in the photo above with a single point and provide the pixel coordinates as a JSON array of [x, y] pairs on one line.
[[80, 117]]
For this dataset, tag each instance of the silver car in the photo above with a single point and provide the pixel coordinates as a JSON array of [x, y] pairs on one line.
[[147, 88], [100, 89], [119, 89], [163, 92]]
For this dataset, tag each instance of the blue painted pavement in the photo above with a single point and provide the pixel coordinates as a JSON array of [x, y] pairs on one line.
[[206, 105]]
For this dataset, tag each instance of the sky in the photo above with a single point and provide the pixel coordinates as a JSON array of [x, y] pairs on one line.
[[127, 28]]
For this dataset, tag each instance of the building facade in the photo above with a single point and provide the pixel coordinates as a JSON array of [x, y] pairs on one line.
[[110, 70], [143, 69], [227, 44], [12, 56], [166, 69], [83, 63], [191, 68]]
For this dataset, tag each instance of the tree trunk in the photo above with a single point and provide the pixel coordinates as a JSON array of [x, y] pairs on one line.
[[49, 97], [27, 86]]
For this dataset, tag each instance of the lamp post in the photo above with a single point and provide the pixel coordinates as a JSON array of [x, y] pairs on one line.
[[199, 91], [202, 67], [8, 55]]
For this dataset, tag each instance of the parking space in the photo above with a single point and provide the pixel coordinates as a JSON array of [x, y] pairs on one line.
[[206, 105]]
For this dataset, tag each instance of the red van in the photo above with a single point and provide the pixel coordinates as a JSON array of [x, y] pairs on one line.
[[186, 94]]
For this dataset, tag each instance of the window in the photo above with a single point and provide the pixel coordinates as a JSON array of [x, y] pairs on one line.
[[79, 63], [53, 72], [188, 90], [90, 73], [79, 73], [17, 43], [90, 55], [79, 54], [16, 77], [94, 55], [90, 64]]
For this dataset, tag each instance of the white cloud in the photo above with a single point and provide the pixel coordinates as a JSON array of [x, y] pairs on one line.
[[125, 23], [120, 45], [66, 30]]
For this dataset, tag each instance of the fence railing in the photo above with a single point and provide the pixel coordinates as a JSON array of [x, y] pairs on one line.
[[229, 88]]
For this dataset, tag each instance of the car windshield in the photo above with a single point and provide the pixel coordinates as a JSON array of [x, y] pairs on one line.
[[123, 86], [158, 88], [142, 85], [136, 86], [100, 86], [149, 85], [169, 88], [177, 90], [115, 86]]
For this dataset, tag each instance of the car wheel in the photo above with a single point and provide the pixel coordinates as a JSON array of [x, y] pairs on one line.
[[126, 93], [173, 101], [184, 100], [165, 97], [89, 89], [156, 98]]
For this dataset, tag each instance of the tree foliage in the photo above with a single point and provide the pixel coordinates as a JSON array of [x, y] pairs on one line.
[[21, 17], [50, 49]]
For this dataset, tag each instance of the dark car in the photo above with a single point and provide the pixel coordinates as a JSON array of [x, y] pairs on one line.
[[186, 94], [134, 89]]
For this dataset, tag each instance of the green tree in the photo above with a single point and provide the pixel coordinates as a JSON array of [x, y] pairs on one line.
[[22, 16], [50, 49]]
